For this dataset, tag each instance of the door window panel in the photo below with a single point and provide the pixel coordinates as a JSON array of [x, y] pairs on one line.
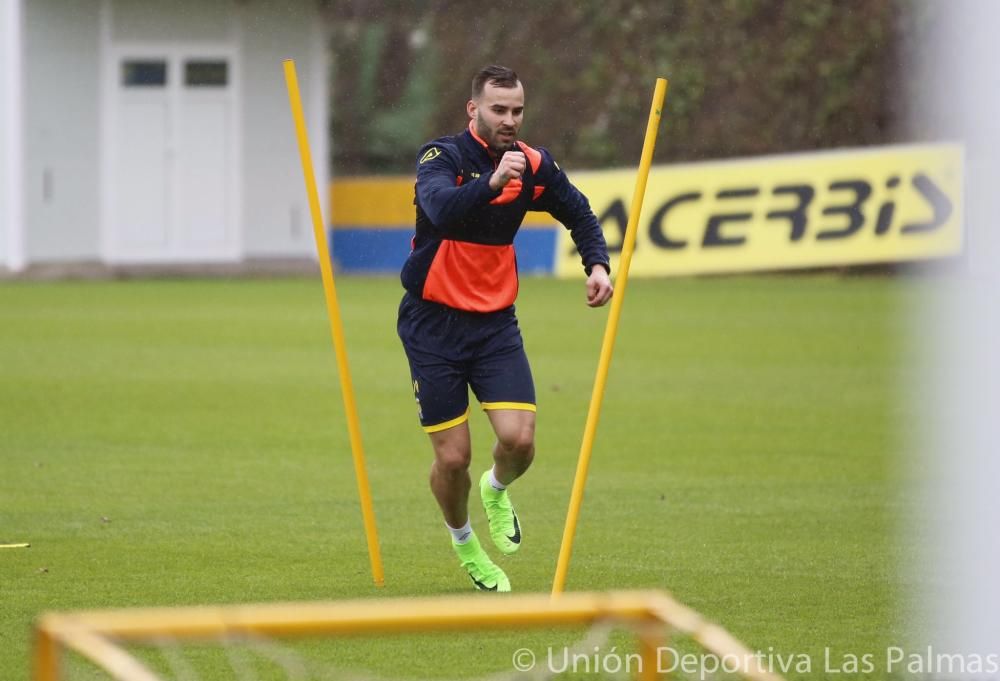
[[144, 72], [206, 73]]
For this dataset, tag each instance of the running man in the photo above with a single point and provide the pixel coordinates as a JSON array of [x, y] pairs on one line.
[[456, 319]]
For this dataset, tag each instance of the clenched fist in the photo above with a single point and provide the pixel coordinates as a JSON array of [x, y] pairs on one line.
[[511, 167]]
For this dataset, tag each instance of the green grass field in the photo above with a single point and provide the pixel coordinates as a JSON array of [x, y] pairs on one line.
[[183, 442]]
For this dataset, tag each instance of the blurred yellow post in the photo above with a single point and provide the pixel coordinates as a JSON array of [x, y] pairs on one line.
[[608, 345], [336, 326], [46, 663]]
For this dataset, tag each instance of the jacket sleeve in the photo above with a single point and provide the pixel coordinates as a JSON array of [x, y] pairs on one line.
[[570, 207], [438, 192]]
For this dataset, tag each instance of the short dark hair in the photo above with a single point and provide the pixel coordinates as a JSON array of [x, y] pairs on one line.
[[500, 76]]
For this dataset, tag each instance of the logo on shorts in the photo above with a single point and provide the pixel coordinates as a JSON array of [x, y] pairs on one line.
[[430, 155], [416, 396]]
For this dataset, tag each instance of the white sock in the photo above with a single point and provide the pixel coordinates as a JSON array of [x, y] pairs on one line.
[[462, 534], [496, 484]]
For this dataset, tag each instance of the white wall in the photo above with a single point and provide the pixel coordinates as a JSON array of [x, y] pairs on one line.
[[274, 215], [61, 89], [62, 112], [138, 21], [11, 218], [275, 211]]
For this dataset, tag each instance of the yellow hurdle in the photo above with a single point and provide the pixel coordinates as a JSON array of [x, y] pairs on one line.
[[99, 635], [336, 326], [594, 413]]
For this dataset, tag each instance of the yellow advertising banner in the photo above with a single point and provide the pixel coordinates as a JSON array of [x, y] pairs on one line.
[[846, 207]]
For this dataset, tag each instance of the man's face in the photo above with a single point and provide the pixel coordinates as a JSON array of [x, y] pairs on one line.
[[497, 115]]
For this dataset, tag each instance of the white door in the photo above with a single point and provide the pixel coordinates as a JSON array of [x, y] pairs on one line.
[[140, 211], [203, 157], [172, 181]]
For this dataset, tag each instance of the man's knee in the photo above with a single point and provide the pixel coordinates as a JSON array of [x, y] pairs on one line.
[[518, 438], [452, 457]]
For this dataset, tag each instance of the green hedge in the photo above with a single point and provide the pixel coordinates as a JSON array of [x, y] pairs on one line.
[[746, 76]]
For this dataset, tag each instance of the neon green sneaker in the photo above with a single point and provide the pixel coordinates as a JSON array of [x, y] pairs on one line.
[[484, 572], [504, 528]]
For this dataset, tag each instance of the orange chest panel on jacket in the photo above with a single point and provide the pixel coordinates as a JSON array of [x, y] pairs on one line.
[[469, 276]]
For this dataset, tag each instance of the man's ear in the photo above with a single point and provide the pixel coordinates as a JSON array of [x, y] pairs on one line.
[[470, 108]]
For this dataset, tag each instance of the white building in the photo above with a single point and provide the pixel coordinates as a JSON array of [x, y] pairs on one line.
[[156, 131]]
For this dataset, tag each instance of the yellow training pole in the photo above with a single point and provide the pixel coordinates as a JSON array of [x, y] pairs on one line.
[[594, 413], [46, 657], [336, 327]]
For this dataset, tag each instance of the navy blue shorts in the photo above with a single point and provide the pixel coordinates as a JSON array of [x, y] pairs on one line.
[[451, 350]]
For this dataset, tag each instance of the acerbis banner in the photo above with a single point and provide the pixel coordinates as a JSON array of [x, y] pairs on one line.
[[845, 207]]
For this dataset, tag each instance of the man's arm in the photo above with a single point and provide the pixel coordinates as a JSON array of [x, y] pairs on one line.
[[438, 192], [570, 207]]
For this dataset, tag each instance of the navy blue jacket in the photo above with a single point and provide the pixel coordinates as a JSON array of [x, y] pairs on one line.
[[463, 253]]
